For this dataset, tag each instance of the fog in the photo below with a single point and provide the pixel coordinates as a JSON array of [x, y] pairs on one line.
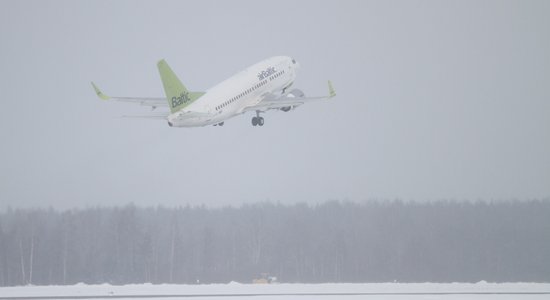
[[432, 163], [436, 100]]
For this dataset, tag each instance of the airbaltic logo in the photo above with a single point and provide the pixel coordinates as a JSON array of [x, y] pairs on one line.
[[183, 98], [268, 72]]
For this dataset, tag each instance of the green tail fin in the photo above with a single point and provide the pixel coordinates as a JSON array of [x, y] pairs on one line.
[[177, 95]]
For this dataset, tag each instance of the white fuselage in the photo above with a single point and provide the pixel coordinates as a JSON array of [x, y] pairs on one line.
[[246, 88]]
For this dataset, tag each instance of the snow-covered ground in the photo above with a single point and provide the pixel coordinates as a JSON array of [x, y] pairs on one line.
[[329, 291]]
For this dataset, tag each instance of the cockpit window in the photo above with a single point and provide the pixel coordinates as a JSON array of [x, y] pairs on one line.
[[293, 61]]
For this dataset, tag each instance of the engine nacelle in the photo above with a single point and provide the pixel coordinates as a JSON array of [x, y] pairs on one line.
[[296, 93], [287, 108]]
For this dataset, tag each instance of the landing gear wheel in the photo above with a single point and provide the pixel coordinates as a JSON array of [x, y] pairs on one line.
[[257, 120], [220, 124]]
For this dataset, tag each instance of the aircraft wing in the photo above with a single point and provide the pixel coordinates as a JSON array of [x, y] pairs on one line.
[[186, 114], [164, 115], [159, 116], [145, 101], [290, 100]]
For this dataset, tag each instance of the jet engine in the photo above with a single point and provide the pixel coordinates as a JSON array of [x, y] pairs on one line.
[[296, 93]]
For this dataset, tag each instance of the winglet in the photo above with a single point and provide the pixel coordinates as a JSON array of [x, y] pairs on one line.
[[99, 93], [331, 92]]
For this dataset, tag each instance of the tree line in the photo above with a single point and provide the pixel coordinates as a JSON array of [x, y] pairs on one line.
[[377, 241]]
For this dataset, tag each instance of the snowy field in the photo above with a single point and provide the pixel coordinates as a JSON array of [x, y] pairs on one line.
[[392, 291]]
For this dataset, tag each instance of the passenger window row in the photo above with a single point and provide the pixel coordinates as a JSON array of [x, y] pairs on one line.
[[246, 92], [276, 75]]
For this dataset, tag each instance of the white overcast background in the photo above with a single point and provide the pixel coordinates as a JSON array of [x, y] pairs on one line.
[[436, 100]]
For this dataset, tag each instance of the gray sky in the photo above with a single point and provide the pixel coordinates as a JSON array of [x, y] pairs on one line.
[[436, 99]]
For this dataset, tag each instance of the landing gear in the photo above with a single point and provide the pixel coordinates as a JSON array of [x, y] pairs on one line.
[[257, 120], [220, 124]]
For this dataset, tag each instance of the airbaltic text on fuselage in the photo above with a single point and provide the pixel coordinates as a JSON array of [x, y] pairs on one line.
[[268, 72], [183, 98]]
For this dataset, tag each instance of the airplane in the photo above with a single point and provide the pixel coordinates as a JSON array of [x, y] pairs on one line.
[[261, 87]]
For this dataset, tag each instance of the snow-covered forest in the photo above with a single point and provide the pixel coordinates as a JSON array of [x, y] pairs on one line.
[[330, 242]]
